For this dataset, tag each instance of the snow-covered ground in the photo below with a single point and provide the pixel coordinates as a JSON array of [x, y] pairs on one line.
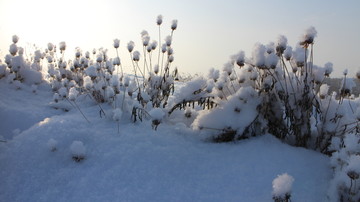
[[138, 164]]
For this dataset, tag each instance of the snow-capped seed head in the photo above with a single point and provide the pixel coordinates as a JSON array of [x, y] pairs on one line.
[[49, 59], [242, 78], [308, 37], [270, 47], [126, 81], [156, 69], [56, 97], [323, 92], [116, 43], [281, 44], [13, 49], [20, 51], [78, 151], [99, 58], [168, 40], [87, 54], [318, 74], [146, 40], [240, 58], [282, 186], [219, 85], [228, 68], [117, 113], [271, 60], [116, 61], [77, 52], [88, 84], [171, 58], [15, 38], [94, 51], [345, 72], [288, 53], [130, 46], [50, 46], [52, 145], [174, 24], [210, 84], [62, 92], [328, 69], [144, 33], [62, 46], [170, 51], [159, 19], [258, 55], [163, 48], [149, 48], [214, 74], [73, 93], [157, 115], [153, 45], [136, 56], [299, 56], [294, 69]]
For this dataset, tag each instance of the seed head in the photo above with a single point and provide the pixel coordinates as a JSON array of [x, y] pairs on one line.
[[15, 39], [130, 46], [174, 24], [116, 43], [159, 20]]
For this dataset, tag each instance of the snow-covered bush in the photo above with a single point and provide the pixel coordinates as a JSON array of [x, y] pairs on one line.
[[282, 93], [282, 188], [25, 70], [78, 151]]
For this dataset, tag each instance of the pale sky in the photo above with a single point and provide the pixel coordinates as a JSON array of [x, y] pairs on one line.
[[208, 31]]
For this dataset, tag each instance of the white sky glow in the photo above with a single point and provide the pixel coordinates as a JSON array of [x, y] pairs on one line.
[[208, 31]]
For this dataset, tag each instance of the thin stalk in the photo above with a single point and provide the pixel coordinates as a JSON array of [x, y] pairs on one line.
[[117, 73], [132, 61], [159, 45], [79, 110], [145, 62]]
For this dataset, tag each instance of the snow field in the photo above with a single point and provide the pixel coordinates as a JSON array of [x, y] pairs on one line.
[[140, 164]]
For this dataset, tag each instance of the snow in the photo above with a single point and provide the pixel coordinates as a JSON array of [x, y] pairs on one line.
[[172, 163], [282, 185]]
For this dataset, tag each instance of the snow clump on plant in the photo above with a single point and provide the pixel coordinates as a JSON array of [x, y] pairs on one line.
[[282, 187], [78, 151]]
